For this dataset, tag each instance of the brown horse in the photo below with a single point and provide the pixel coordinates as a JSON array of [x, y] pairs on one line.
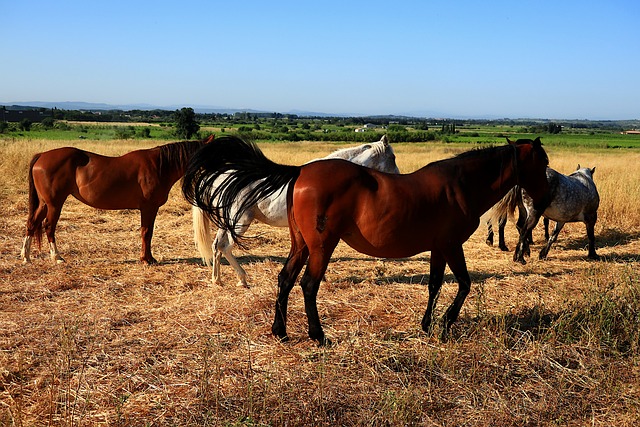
[[384, 215], [140, 180]]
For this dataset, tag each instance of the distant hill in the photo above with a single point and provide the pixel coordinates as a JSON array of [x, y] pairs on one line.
[[92, 106]]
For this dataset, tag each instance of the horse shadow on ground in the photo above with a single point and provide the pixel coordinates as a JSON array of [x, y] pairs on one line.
[[242, 260], [380, 279], [609, 238], [529, 324]]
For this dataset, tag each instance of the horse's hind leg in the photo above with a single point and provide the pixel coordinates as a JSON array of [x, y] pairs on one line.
[[545, 221], [502, 222], [554, 236], [222, 245], [25, 252], [50, 224], [310, 283], [286, 279], [34, 225], [489, 240], [590, 223]]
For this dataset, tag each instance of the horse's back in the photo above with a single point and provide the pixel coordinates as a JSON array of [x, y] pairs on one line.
[[379, 214], [573, 197], [60, 157]]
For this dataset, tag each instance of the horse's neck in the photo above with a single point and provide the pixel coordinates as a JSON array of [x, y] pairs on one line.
[[349, 154], [179, 166], [491, 181]]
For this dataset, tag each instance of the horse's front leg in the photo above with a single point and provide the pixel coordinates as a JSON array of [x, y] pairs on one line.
[[436, 276], [554, 236], [523, 243], [147, 221], [458, 266]]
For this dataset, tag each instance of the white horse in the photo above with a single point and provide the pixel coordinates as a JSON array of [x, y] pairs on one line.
[[273, 209]]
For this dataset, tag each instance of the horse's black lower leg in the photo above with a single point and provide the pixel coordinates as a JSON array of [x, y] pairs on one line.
[[458, 266], [319, 256], [592, 240], [489, 240], [285, 284], [436, 275], [501, 243], [554, 236], [310, 286], [286, 280], [522, 247]]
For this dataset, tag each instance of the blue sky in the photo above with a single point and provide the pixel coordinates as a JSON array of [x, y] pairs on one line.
[[535, 59]]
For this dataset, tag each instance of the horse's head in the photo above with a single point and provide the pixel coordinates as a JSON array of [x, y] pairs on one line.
[[378, 155], [588, 172], [532, 162]]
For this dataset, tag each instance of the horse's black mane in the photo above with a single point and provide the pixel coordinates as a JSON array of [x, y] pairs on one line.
[[177, 154], [479, 152]]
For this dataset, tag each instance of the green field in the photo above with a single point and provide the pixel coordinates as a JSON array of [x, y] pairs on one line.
[[592, 135]]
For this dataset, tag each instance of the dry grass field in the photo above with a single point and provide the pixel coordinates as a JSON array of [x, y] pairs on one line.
[[104, 341]]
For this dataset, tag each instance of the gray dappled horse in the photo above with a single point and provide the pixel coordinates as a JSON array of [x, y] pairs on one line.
[[571, 198]]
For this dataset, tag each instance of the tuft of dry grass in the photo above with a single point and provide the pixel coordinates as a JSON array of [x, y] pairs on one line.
[[102, 340]]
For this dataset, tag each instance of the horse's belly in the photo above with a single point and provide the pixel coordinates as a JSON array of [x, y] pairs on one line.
[[381, 246], [555, 213]]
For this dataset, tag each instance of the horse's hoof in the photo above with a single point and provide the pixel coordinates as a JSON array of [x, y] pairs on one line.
[[594, 257], [325, 342], [520, 260], [504, 248], [279, 332], [282, 338], [489, 242]]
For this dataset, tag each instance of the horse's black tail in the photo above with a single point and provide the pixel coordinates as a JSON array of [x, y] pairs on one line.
[[34, 201], [229, 175]]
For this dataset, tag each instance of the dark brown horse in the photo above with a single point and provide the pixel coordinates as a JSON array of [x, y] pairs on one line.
[[384, 215], [140, 180]]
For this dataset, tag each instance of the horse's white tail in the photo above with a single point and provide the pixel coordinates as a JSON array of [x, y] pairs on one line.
[[202, 234]]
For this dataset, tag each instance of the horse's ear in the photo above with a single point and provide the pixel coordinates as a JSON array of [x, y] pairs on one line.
[[578, 166], [537, 142], [209, 139], [593, 170], [385, 140]]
